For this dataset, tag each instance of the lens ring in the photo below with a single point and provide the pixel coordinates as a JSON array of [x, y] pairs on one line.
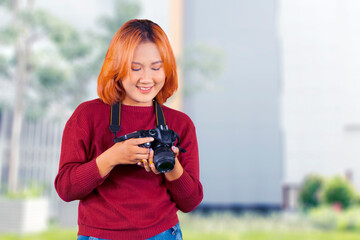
[[165, 167]]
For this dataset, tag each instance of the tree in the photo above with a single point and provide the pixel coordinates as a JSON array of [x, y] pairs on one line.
[[61, 66], [309, 195], [339, 190], [47, 71], [124, 10]]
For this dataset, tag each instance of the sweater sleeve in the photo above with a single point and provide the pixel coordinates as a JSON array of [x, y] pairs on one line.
[[187, 191], [78, 175]]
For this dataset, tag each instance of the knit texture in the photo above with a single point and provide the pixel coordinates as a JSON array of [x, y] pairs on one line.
[[128, 203]]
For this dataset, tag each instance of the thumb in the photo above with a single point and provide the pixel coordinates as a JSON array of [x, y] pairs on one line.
[[175, 150]]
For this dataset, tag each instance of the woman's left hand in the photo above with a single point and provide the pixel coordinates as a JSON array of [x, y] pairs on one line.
[[149, 164], [173, 174]]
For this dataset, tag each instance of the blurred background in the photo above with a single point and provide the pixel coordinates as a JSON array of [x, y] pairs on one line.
[[272, 87]]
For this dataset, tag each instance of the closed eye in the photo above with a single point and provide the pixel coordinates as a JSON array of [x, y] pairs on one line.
[[135, 69], [156, 66]]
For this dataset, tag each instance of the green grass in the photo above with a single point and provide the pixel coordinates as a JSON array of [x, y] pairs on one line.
[[271, 235], [69, 234], [226, 227], [52, 234]]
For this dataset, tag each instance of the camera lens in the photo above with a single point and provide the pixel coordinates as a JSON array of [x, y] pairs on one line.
[[164, 159], [165, 167]]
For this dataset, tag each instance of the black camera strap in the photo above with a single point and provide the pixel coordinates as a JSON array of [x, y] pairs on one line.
[[115, 120], [159, 114], [115, 116], [115, 123]]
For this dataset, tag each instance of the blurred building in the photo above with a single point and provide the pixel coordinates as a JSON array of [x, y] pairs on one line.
[[238, 120], [320, 55]]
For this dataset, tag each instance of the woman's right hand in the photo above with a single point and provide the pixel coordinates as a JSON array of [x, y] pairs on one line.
[[126, 152]]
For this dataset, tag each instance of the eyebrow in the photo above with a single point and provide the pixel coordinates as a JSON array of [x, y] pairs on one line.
[[156, 62]]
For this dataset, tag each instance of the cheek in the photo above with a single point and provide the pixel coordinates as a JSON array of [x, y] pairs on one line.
[[133, 77], [125, 82], [160, 78]]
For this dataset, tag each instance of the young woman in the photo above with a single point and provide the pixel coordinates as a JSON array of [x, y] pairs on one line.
[[122, 195]]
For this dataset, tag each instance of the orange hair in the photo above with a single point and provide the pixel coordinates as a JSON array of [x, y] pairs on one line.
[[117, 63]]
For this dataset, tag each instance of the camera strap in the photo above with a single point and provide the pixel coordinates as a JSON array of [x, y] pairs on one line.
[[115, 120], [159, 114], [115, 116], [115, 123]]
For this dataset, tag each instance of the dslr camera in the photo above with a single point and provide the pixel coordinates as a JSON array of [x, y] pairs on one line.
[[164, 139]]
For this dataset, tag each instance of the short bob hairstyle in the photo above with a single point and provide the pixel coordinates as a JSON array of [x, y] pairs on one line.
[[117, 63]]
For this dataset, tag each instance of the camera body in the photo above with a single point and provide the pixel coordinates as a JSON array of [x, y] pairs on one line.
[[164, 139]]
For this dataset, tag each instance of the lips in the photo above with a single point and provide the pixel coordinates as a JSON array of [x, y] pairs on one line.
[[145, 89]]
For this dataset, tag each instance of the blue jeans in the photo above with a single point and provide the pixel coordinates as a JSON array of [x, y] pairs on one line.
[[173, 233]]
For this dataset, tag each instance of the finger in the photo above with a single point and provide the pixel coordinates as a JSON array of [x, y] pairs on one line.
[[152, 167], [141, 156], [138, 141], [141, 150], [146, 165], [140, 164], [175, 150], [151, 162], [151, 156]]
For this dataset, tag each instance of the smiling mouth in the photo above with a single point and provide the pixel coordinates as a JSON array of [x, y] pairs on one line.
[[145, 89]]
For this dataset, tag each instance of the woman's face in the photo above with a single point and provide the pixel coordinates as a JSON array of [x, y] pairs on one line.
[[147, 76]]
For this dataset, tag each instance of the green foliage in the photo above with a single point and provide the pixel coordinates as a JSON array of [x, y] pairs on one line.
[[8, 34], [4, 66], [51, 65], [61, 59], [310, 191], [72, 58], [50, 76], [357, 199], [323, 217], [349, 219], [326, 218], [70, 42], [124, 10], [339, 190], [5, 3]]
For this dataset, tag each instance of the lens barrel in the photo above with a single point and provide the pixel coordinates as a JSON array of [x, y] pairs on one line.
[[164, 159]]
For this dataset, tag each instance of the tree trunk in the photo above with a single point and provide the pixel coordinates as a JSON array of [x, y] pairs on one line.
[[20, 79], [17, 118]]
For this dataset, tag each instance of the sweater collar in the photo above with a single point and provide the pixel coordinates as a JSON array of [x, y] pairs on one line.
[[139, 109]]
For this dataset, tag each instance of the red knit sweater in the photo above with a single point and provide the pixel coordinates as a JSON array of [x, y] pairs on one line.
[[129, 203]]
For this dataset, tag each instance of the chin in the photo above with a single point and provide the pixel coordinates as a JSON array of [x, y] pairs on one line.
[[145, 101]]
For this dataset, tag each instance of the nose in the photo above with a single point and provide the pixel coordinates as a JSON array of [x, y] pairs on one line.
[[146, 77]]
